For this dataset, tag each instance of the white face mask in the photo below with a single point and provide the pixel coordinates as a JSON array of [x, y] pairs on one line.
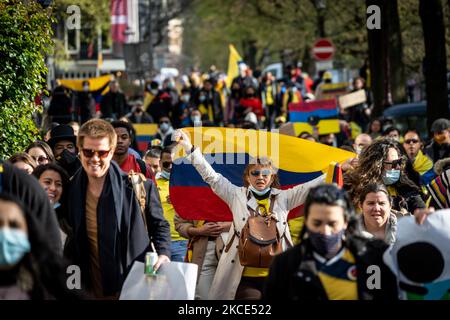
[[165, 174], [258, 192]]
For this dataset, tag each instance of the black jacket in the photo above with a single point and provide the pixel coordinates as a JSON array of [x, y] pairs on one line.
[[408, 197], [293, 274], [437, 152], [122, 237], [113, 105]]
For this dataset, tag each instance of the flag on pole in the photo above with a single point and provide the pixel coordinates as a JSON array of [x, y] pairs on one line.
[[233, 65], [118, 20]]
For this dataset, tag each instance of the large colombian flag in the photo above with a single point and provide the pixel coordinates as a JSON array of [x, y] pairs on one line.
[[229, 151]]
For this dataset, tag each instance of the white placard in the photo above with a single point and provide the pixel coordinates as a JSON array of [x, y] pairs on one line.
[[175, 281]]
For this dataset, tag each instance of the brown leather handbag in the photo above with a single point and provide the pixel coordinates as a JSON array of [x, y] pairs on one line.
[[259, 241]]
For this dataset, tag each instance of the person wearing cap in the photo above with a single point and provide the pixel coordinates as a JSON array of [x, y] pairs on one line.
[[439, 148], [327, 78], [63, 143]]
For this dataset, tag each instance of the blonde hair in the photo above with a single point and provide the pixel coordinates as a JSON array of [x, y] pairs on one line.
[[97, 128], [264, 162]]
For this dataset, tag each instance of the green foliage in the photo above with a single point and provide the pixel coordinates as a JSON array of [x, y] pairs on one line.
[[25, 38], [292, 24]]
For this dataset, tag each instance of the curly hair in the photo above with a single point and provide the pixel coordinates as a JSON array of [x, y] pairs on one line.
[[371, 168]]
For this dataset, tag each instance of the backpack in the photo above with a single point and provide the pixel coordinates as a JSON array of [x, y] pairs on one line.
[[137, 182], [259, 240]]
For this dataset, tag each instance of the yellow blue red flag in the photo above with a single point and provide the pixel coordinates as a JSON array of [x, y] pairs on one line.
[[229, 151]]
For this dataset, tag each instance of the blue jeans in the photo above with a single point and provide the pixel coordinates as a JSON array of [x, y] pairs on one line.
[[178, 249]]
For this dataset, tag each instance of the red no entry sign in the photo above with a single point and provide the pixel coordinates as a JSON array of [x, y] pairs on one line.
[[323, 49]]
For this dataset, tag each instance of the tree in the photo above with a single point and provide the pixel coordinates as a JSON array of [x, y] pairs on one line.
[[25, 38], [435, 61]]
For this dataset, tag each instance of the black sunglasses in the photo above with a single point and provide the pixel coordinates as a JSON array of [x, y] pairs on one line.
[[88, 153], [409, 141], [395, 164], [264, 172]]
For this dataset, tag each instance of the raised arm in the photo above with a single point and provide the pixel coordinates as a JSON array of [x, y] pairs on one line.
[[218, 183]]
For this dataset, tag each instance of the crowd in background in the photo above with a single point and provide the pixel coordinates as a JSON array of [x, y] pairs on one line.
[[89, 150]]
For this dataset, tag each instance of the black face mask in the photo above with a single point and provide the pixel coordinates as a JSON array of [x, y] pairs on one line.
[[325, 245], [67, 157]]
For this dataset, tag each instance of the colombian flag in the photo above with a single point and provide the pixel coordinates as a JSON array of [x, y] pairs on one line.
[[98, 86], [144, 134], [229, 151], [325, 110]]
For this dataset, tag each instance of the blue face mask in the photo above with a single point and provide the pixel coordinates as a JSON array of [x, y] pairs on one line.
[[165, 174], [326, 245], [56, 205], [257, 192], [391, 177], [164, 127], [14, 245]]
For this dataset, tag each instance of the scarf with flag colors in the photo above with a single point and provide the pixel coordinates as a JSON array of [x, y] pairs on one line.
[[230, 150]]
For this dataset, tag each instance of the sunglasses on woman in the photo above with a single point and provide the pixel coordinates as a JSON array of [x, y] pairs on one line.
[[40, 159], [264, 172], [88, 153], [395, 164]]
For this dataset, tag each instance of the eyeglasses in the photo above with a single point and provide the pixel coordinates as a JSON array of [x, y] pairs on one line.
[[264, 172], [164, 122], [40, 159], [413, 141], [395, 164], [167, 164], [88, 153]]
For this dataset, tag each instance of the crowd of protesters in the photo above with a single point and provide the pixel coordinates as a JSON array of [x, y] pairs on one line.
[[70, 199]]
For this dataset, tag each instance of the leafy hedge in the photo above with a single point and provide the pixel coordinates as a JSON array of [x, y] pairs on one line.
[[25, 39]]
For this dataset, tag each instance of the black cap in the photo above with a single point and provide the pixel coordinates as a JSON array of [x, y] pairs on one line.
[[60, 133], [440, 125]]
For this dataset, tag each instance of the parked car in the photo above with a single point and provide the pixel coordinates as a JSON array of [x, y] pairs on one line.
[[409, 115]]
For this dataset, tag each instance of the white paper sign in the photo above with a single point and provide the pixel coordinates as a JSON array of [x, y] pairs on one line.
[[351, 99], [175, 281]]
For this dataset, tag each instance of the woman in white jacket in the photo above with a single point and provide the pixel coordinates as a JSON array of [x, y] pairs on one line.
[[232, 280]]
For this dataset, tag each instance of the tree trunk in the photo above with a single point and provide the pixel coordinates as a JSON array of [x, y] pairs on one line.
[[435, 61], [378, 60], [396, 66]]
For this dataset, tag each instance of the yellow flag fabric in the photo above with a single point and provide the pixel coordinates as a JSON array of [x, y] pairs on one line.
[[233, 68], [94, 83], [287, 153]]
